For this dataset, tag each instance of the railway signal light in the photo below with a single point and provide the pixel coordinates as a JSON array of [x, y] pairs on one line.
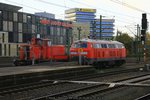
[[143, 34], [144, 21], [144, 27], [142, 38]]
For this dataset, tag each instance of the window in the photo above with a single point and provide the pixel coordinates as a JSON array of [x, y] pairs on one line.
[[1, 15], [29, 19], [96, 45], [52, 31], [80, 45], [83, 45], [64, 32], [49, 43], [5, 15], [20, 17], [104, 45], [61, 40], [119, 45], [58, 31], [10, 16], [113, 45], [109, 45], [38, 42]]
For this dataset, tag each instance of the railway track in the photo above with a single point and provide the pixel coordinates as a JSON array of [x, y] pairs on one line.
[[145, 97], [47, 85], [88, 91]]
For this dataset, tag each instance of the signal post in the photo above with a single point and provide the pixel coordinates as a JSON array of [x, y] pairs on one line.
[[143, 35]]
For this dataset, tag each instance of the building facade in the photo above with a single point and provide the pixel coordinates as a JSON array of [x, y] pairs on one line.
[[81, 18], [86, 16], [19, 27], [80, 14], [45, 14], [84, 29], [107, 28]]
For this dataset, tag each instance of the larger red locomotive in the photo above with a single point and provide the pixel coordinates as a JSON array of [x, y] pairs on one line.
[[40, 50], [98, 52]]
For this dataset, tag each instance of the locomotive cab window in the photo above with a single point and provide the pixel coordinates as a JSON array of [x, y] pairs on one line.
[[80, 45], [49, 43], [104, 45], [96, 45], [38, 42], [120, 46], [111, 46]]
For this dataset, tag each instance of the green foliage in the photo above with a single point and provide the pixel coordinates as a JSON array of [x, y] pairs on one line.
[[126, 40]]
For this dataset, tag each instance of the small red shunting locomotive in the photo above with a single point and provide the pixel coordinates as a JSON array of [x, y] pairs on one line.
[[40, 50]]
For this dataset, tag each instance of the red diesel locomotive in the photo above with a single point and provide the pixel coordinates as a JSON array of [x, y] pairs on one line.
[[98, 52], [40, 50]]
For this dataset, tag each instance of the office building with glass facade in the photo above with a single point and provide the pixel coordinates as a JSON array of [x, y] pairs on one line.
[[81, 18], [87, 16], [80, 14]]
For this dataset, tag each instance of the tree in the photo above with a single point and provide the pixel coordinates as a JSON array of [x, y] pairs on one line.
[[127, 41], [148, 39]]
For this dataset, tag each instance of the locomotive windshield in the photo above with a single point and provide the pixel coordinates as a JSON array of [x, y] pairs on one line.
[[38, 42], [80, 45], [25, 51]]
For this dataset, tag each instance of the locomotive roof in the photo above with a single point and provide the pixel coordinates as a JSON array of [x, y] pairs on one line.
[[99, 41]]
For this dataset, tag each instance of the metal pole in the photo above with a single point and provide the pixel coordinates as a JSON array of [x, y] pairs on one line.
[[51, 53], [68, 33], [93, 28], [100, 29], [80, 60], [145, 58], [138, 45], [79, 32]]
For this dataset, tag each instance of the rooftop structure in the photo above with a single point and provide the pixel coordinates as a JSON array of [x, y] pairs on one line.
[[80, 14], [9, 7]]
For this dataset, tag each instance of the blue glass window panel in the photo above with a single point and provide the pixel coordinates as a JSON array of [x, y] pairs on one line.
[[86, 17], [105, 34], [97, 23], [104, 23], [84, 20], [105, 26], [85, 13], [104, 31]]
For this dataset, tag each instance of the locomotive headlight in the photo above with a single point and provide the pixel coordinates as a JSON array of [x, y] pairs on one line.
[[73, 53], [84, 53]]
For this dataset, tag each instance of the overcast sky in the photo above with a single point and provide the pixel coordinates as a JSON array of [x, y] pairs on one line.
[[125, 17]]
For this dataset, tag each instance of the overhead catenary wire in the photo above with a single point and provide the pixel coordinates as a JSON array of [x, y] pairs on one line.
[[120, 19], [24, 5], [65, 6], [36, 9], [129, 6], [88, 5], [58, 5]]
